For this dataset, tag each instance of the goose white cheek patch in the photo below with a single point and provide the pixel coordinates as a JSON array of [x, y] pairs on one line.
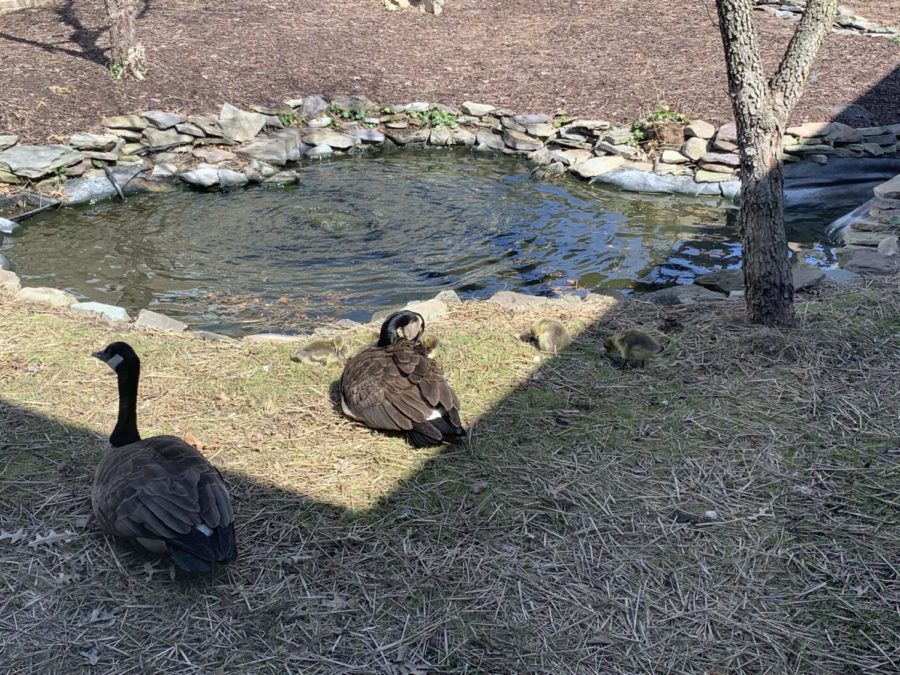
[[115, 361]]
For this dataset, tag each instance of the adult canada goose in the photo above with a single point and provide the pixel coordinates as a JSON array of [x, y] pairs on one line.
[[631, 348], [160, 493], [394, 386]]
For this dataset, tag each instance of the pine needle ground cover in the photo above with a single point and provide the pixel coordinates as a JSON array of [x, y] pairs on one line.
[[732, 507]]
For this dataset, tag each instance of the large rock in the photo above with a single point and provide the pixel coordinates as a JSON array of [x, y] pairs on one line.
[[331, 138], [273, 339], [208, 124], [8, 226], [277, 148], [520, 141], [889, 189], [463, 137], [429, 309], [699, 129], [806, 276], [408, 136], [189, 129], [682, 295], [889, 246], [871, 262], [488, 139], [132, 122], [842, 133], [723, 281], [727, 133], [703, 176], [231, 179], [47, 296], [35, 161], [694, 148], [476, 109], [516, 301], [596, 166], [313, 106], [725, 158], [108, 312], [154, 321], [204, 176], [213, 155], [154, 138], [8, 140], [672, 157], [162, 120], [857, 237], [239, 125], [9, 281], [95, 142]]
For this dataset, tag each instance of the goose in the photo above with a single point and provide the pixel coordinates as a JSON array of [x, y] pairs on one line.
[[631, 348], [550, 335], [160, 493], [394, 386]]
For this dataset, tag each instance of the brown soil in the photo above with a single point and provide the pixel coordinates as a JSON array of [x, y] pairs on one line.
[[883, 11], [615, 59]]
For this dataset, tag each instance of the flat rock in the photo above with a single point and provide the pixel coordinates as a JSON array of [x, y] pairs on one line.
[[208, 124], [313, 106], [855, 237], [672, 157], [231, 179], [703, 176], [213, 155], [154, 321], [621, 150], [331, 138], [47, 296], [476, 109], [699, 129], [717, 168], [838, 275], [8, 226], [282, 178], [569, 157], [806, 276], [366, 135], [727, 133], [240, 125], [189, 129], [809, 129], [35, 161], [887, 190], [516, 301], [596, 166], [723, 281], [694, 148], [889, 246], [518, 140], [489, 139], [97, 142], [532, 118], [842, 133], [463, 137], [320, 151], [408, 136], [441, 136], [108, 312], [8, 140], [277, 148], [9, 281], [320, 122], [162, 120], [127, 134], [205, 177], [132, 122], [725, 158], [417, 106], [156, 138], [688, 294], [617, 136], [872, 262], [430, 310]]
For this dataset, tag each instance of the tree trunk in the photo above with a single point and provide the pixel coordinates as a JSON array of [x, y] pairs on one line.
[[761, 111], [127, 57]]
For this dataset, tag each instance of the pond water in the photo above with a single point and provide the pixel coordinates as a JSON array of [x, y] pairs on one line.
[[360, 234]]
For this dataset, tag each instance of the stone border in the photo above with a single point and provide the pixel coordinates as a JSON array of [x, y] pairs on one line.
[[846, 20], [156, 151]]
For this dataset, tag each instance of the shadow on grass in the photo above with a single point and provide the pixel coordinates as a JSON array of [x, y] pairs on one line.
[[725, 508]]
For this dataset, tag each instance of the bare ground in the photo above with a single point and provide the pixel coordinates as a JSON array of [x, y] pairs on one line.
[[615, 59], [730, 508]]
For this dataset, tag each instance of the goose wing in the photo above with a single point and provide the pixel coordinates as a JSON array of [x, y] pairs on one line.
[[395, 387], [163, 493]]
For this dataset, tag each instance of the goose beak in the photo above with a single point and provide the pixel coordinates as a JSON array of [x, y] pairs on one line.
[[99, 355], [112, 360]]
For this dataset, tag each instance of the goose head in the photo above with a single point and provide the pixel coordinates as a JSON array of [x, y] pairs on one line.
[[117, 355], [402, 325]]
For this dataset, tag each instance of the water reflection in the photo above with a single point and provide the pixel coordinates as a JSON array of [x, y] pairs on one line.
[[359, 234]]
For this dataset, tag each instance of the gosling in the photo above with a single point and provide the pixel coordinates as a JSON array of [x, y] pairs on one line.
[[631, 348], [550, 335]]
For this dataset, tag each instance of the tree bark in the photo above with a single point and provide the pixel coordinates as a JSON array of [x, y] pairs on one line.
[[127, 57], [761, 111]]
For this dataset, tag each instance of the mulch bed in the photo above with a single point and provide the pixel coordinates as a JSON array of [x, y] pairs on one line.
[[615, 59]]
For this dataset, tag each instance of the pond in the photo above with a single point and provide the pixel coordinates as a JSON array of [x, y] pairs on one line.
[[360, 234]]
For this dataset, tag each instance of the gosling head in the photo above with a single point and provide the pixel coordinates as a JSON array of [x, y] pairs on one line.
[[117, 355], [402, 325]]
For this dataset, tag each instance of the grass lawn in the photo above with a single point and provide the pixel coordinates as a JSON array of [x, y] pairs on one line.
[[733, 507]]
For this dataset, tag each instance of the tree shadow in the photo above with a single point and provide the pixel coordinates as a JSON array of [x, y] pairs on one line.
[[83, 36], [876, 103]]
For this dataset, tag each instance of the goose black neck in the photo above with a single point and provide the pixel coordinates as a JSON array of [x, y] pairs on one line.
[[388, 334], [126, 430]]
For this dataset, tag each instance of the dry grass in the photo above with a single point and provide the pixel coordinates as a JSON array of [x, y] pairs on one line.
[[573, 534]]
